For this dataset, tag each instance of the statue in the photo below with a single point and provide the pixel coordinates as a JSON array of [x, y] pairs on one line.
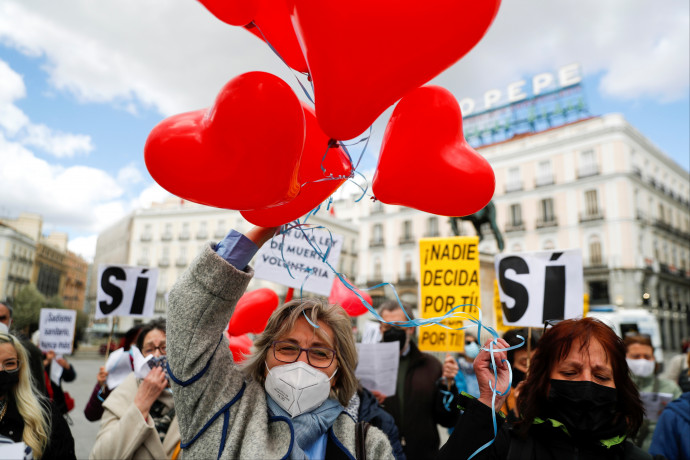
[[486, 214]]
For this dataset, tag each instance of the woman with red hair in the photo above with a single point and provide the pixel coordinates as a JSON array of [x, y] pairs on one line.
[[578, 401]]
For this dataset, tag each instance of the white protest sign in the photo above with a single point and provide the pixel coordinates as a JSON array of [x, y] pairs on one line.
[[57, 330], [126, 291], [539, 286], [305, 263]]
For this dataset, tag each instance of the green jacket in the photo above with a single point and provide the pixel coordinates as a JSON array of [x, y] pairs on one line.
[[652, 384]]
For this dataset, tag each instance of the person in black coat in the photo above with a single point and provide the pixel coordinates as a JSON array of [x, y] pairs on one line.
[[370, 411], [578, 401]]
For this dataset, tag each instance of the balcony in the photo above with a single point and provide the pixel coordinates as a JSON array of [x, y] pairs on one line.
[[406, 282], [377, 243], [164, 262], [513, 187], [406, 239], [145, 237], [432, 234], [543, 181], [167, 236], [514, 227], [202, 235], [143, 261], [637, 171], [220, 233], [184, 236], [374, 282], [592, 216], [181, 262], [547, 222], [587, 171]]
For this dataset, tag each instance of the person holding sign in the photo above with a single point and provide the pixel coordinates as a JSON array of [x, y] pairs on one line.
[[655, 391], [288, 400], [581, 401], [425, 393], [25, 416], [139, 419]]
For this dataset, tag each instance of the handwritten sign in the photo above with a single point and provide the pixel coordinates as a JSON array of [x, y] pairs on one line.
[[449, 271], [56, 328], [126, 291], [301, 252]]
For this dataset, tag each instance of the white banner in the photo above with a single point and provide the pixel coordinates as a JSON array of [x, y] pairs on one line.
[[539, 286], [56, 330], [304, 261], [126, 291]]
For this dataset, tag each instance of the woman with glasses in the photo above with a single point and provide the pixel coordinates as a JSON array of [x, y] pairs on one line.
[[578, 401], [139, 419], [289, 398], [24, 415]]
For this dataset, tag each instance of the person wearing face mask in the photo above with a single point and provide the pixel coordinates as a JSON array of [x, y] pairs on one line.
[[288, 398], [640, 357], [519, 361], [422, 386], [139, 417], [466, 377], [581, 401], [26, 416]]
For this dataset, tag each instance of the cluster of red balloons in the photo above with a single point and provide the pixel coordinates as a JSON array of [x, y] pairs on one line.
[[250, 317], [258, 136]]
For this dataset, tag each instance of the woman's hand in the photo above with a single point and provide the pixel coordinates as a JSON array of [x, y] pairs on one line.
[[102, 376], [63, 363], [450, 368], [485, 374], [259, 235], [149, 390]]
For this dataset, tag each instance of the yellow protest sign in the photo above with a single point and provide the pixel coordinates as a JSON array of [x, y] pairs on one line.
[[449, 277]]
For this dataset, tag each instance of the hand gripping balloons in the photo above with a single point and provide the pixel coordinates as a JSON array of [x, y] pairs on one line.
[[395, 46], [250, 140], [316, 186], [341, 294], [252, 312], [425, 162]]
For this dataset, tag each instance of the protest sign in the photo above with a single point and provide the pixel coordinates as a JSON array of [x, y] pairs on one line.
[[377, 367], [56, 328], [126, 291], [539, 286], [301, 251], [449, 272]]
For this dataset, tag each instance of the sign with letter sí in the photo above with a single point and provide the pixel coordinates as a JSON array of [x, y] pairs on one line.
[[449, 278], [126, 291], [538, 286]]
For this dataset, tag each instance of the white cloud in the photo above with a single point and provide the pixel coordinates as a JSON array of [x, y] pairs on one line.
[[129, 175], [85, 246], [151, 194], [61, 145]]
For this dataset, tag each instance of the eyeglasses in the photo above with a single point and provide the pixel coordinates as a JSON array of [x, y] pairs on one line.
[[149, 350], [10, 365], [288, 352]]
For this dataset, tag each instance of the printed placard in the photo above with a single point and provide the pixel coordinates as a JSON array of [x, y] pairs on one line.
[[124, 290], [538, 286], [56, 328], [299, 250], [449, 277]]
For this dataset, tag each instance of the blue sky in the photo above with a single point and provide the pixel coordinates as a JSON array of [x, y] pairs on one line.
[[81, 87]]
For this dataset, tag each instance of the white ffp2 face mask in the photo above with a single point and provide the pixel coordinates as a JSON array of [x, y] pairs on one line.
[[297, 387], [641, 367]]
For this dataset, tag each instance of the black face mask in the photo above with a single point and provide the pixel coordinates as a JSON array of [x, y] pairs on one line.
[[8, 381], [582, 406], [395, 335], [518, 376]]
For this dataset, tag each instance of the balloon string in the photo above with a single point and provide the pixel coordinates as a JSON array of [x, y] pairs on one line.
[[311, 99]]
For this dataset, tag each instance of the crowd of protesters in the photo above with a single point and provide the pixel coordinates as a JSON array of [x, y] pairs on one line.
[[573, 390]]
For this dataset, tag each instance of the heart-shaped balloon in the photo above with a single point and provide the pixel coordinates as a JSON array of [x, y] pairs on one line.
[[233, 12], [252, 312], [394, 47], [272, 23], [425, 162], [240, 346], [242, 153], [341, 294], [317, 183]]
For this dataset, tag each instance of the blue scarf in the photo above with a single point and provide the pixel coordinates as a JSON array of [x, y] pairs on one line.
[[310, 426]]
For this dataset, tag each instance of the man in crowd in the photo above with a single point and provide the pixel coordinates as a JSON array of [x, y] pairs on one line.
[[424, 386]]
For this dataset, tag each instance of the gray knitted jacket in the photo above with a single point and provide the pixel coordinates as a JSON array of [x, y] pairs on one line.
[[222, 413]]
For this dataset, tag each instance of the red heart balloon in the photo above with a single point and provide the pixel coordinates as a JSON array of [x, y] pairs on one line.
[[341, 294], [241, 347], [272, 20], [398, 45], [250, 140], [450, 178], [252, 312], [314, 188], [233, 12]]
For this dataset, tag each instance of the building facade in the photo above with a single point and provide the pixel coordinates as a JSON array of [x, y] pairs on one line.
[[17, 254]]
